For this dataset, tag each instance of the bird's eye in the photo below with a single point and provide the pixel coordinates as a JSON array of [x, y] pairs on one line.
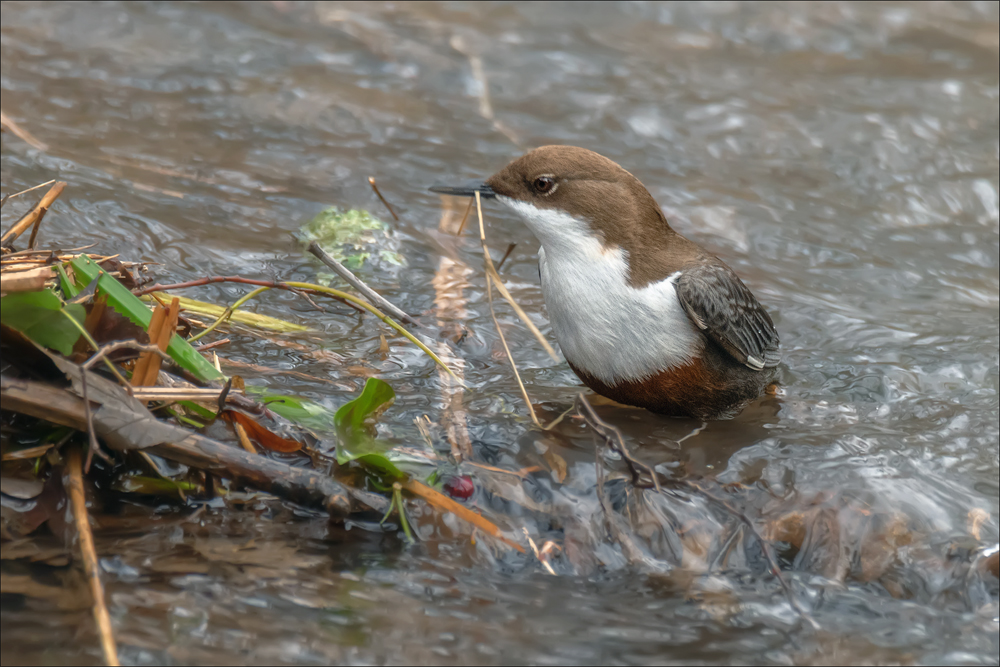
[[545, 184]]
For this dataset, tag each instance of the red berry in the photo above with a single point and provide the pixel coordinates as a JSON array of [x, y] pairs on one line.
[[460, 486]]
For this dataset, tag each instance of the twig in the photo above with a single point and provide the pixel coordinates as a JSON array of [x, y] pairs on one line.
[[34, 216], [371, 182], [200, 282], [209, 346], [615, 441], [92, 446], [21, 133], [74, 486], [510, 249], [105, 350], [18, 194], [358, 284]]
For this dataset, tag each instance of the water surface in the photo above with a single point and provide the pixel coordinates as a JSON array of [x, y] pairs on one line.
[[842, 158]]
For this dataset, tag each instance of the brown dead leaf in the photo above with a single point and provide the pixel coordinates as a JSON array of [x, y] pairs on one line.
[[261, 434]]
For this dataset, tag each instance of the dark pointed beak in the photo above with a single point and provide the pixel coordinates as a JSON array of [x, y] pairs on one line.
[[467, 189]]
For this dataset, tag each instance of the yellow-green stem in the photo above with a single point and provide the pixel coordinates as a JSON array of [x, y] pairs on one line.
[[382, 316], [228, 312]]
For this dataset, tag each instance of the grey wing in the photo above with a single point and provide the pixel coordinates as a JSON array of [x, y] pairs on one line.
[[723, 307]]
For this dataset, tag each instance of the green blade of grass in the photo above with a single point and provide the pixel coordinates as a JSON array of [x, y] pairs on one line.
[[129, 305]]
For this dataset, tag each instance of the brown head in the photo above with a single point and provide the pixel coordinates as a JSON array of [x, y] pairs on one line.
[[565, 191]]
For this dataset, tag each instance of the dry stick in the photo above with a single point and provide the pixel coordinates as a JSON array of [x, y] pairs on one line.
[[617, 443], [18, 194], [491, 279], [357, 283], [55, 253], [31, 280], [765, 547], [74, 485], [371, 182], [461, 226], [21, 133], [308, 487], [491, 271], [34, 216]]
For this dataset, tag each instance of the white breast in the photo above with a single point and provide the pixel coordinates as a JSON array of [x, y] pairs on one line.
[[605, 327]]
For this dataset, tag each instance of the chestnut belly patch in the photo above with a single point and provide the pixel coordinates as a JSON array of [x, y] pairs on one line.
[[694, 390]]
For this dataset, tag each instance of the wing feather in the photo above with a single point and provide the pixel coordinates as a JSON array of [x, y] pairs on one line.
[[723, 307]]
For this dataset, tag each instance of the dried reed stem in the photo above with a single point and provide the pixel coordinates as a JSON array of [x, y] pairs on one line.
[[78, 500]]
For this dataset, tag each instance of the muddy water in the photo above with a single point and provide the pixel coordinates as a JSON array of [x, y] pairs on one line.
[[842, 158]]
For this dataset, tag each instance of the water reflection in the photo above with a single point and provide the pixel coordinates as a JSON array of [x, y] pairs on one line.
[[843, 158]]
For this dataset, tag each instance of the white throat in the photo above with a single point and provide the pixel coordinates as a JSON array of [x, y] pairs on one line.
[[604, 326]]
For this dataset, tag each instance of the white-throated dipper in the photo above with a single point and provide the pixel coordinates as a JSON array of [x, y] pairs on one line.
[[643, 315]]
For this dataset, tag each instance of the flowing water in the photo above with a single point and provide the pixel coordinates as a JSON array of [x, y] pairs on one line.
[[842, 158]]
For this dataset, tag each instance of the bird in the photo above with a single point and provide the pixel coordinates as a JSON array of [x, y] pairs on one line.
[[642, 315]]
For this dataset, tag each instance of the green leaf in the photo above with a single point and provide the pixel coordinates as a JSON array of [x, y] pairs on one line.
[[302, 411], [375, 398], [197, 409], [39, 316], [129, 305], [69, 289], [357, 440]]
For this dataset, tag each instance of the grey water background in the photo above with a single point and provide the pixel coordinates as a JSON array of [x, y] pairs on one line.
[[843, 158]]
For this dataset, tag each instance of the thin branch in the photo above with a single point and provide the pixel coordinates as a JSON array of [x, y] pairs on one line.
[[34, 216], [209, 346], [22, 192], [78, 500], [358, 284], [200, 282], [371, 182], [510, 249], [615, 441]]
